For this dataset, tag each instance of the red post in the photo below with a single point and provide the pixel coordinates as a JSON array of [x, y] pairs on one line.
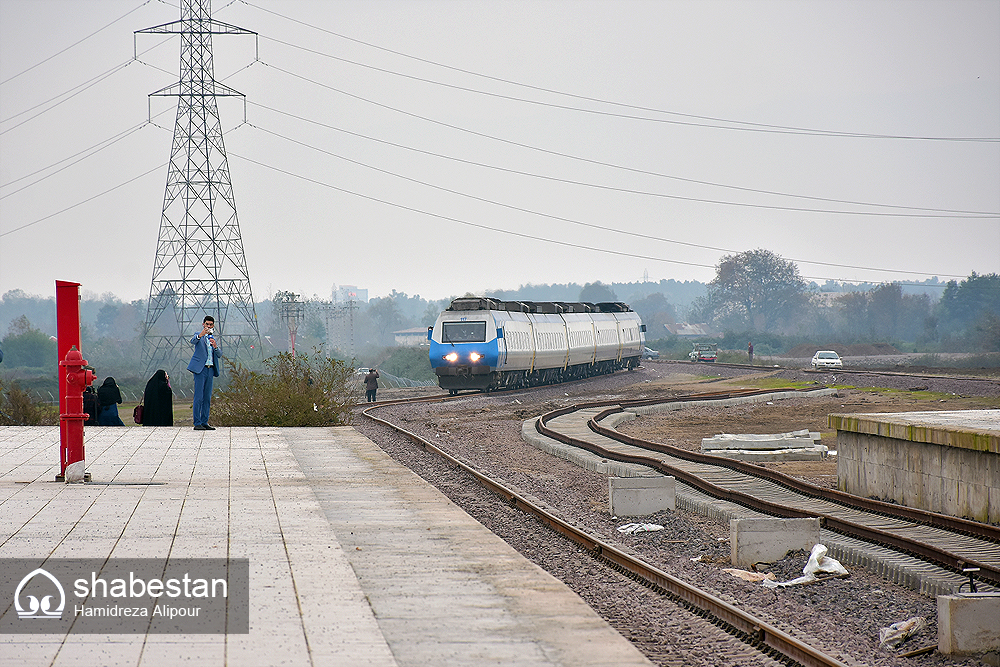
[[67, 338], [71, 454]]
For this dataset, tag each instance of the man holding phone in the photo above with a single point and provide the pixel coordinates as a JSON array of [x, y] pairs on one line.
[[205, 366]]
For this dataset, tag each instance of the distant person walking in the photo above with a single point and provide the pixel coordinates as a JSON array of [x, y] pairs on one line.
[[750, 352], [205, 366], [109, 396], [371, 384], [159, 400]]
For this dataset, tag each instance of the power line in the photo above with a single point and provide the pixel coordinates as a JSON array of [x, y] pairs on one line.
[[413, 209], [82, 202], [58, 53], [937, 212], [86, 85], [749, 126], [617, 166], [93, 150], [569, 220], [499, 230]]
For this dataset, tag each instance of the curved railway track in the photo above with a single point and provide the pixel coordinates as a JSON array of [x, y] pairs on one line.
[[750, 629], [949, 542]]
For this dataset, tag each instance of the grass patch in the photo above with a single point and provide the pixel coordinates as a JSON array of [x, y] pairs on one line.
[[776, 383]]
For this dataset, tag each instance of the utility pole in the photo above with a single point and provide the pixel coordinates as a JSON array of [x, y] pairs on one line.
[[291, 313], [199, 267]]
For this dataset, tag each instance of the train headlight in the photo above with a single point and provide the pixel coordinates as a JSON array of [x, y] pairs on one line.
[[475, 356], [451, 356]]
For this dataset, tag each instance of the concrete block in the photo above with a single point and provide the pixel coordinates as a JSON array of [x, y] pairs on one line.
[[791, 440], [641, 496], [968, 623], [767, 540]]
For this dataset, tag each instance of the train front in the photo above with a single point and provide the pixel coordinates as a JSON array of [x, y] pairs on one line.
[[463, 351]]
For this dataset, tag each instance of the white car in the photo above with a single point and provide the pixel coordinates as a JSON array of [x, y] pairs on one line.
[[827, 359]]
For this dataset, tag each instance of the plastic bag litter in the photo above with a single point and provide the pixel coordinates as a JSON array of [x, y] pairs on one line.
[[818, 562], [746, 575], [639, 528], [897, 633]]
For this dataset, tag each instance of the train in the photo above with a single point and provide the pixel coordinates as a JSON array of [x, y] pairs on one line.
[[487, 344]]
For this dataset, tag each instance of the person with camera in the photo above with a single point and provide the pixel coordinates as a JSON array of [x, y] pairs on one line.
[[205, 366]]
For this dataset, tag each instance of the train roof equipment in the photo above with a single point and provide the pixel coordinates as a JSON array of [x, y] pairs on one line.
[[541, 307]]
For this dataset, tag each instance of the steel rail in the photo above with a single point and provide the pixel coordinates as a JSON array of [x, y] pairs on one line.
[[941, 557], [746, 626], [976, 529]]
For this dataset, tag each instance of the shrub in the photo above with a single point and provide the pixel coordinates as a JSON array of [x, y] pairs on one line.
[[18, 409], [291, 391]]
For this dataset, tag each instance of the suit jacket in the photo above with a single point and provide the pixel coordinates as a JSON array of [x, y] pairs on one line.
[[201, 348]]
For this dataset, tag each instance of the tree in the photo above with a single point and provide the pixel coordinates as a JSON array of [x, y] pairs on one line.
[[756, 289], [964, 304], [597, 292], [853, 310], [26, 346], [384, 313], [655, 312]]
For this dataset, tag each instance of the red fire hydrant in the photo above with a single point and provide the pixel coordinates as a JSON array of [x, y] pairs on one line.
[[78, 376]]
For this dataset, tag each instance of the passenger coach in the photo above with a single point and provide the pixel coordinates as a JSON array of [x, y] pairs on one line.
[[486, 344]]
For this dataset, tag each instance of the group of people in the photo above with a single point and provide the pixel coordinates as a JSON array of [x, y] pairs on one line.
[[101, 406], [158, 398]]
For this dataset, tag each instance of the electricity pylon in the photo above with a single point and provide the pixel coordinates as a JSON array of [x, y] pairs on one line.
[[199, 267]]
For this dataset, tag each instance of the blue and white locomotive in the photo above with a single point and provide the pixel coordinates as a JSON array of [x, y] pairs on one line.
[[487, 344]]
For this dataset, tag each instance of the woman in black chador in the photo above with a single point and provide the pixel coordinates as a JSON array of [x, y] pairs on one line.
[[109, 396], [159, 401]]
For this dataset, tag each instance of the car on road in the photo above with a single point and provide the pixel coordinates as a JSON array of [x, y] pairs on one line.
[[648, 353], [827, 359]]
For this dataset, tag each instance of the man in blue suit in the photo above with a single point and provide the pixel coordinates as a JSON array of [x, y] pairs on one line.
[[205, 366]]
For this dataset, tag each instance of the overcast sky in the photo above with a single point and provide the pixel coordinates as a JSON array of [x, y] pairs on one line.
[[437, 147]]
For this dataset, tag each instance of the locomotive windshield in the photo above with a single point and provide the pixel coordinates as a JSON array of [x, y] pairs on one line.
[[463, 332]]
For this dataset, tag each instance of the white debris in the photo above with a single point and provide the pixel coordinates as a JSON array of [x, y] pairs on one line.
[[639, 527], [897, 633], [746, 575], [817, 563]]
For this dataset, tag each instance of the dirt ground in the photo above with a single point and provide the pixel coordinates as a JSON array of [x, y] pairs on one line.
[[686, 428]]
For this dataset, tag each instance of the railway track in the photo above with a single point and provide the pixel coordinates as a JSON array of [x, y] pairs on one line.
[[755, 632], [841, 371], [949, 542]]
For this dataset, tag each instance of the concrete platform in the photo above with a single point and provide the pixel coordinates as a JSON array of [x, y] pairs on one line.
[[353, 559], [946, 462]]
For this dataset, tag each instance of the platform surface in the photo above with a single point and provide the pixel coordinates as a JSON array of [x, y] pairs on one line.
[[354, 560], [967, 429]]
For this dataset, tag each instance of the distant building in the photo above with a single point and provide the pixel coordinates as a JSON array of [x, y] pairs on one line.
[[411, 337], [347, 293]]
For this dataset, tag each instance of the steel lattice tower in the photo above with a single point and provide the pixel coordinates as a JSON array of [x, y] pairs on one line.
[[199, 267]]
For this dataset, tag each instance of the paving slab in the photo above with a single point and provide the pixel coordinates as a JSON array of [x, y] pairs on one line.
[[344, 547]]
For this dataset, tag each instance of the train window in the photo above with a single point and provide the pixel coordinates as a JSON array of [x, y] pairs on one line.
[[463, 332]]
